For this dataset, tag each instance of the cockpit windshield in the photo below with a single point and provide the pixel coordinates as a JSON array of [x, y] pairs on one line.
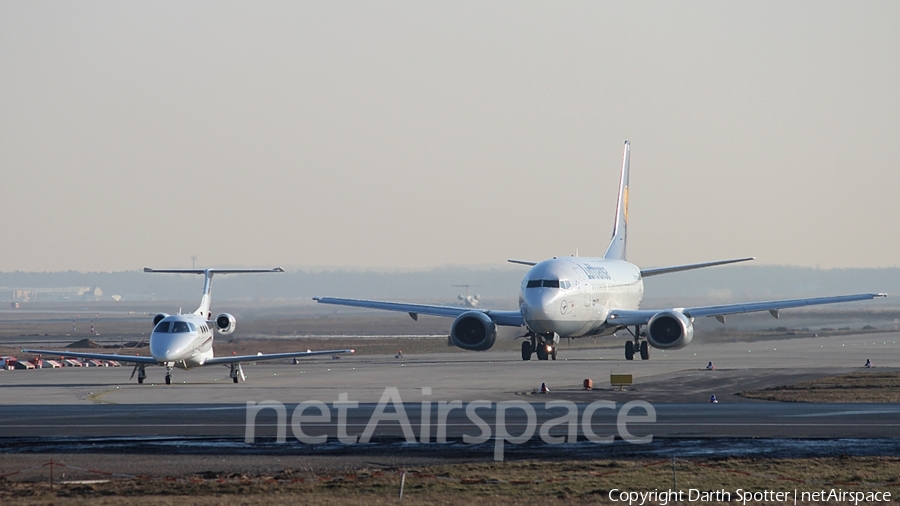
[[180, 327], [162, 327], [548, 283]]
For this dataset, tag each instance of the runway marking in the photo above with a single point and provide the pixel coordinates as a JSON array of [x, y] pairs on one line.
[[517, 425], [840, 413]]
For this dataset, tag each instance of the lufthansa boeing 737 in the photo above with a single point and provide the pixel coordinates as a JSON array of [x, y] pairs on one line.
[[571, 297], [185, 340]]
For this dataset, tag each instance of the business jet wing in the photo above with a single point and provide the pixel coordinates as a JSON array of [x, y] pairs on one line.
[[271, 356], [133, 359], [627, 317], [506, 318]]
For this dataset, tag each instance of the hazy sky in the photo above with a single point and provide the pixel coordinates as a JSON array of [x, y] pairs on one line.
[[415, 134]]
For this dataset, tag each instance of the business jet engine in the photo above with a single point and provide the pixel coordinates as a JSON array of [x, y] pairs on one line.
[[473, 331], [670, 330], [225, 323], [158, 318]]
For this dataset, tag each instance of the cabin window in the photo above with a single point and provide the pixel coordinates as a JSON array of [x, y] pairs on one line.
[[162, 327]]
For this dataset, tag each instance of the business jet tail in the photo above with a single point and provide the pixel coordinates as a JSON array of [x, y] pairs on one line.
[[205, 300]]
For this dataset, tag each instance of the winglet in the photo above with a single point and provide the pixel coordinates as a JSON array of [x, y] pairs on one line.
[[616, 249]]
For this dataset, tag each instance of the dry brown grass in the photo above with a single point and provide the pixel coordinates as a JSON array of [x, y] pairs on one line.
[[863, 386], [524, 482]]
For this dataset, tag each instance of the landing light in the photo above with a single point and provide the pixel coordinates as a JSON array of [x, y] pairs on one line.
[[549, 348]]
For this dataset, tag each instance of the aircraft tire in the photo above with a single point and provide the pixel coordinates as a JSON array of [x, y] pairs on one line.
[[645, 350], [140, 381], [235, 379], [553, 353], [526, 351], [629, 350], [168, 380], [541, 352]]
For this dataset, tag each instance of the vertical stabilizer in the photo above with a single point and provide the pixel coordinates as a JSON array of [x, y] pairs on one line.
[[205, 300], [616, 249]]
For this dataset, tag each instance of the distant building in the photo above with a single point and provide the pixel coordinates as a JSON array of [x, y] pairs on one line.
[[79, 293]]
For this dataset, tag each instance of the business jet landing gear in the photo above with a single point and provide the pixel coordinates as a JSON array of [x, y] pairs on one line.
[[237, 373], [542, 345], [637, 346], [140, 373], [168, 374]]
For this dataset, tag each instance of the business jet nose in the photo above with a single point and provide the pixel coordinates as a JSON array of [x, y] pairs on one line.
[[539, 308], [168, 348]]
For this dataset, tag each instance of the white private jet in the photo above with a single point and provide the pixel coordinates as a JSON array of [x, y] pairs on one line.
[[185, 340], [571, 297]]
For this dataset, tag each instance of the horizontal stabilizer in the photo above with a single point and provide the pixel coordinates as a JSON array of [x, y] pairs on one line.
[[678, 268], [523, 262], [216, 271]]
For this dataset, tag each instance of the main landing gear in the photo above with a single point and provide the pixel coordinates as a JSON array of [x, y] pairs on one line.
[[237, 372], [141, 374], [637, 346], [543, 345]]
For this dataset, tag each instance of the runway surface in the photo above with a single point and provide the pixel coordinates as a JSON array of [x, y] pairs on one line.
[[101, 406]]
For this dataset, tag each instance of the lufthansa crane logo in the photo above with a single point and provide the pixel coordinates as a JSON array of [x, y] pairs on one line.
[[563, 307]]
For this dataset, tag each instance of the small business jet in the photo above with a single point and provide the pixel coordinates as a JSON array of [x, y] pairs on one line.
[[571, 297], [185, 340]]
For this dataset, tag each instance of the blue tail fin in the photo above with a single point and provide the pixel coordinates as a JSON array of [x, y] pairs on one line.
[[616, 249]]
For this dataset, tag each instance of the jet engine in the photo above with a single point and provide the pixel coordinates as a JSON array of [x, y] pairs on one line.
[[158, 318], [473, 331], [225, 323], [670, 330]]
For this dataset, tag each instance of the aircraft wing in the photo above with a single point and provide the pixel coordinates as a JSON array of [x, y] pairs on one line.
[[133, 359], [626, 317], [507, 318], [271, 356]]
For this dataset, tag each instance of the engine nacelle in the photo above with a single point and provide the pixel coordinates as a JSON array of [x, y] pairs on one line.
[[670, 330], [225, 323], [158, 318], [473, 331]]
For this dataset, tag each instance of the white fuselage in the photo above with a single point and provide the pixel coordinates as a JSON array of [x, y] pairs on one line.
[[572, 296], [184, 341]]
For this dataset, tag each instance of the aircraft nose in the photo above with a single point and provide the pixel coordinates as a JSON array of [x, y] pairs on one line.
[[166, 348], [539, 308]]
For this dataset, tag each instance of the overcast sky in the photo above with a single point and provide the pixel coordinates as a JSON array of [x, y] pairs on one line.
[[405, 135]]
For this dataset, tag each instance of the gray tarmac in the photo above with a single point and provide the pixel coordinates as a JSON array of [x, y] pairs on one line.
[[53, 405]]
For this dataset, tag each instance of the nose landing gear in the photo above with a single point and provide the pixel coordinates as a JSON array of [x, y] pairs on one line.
[[542, 345]]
